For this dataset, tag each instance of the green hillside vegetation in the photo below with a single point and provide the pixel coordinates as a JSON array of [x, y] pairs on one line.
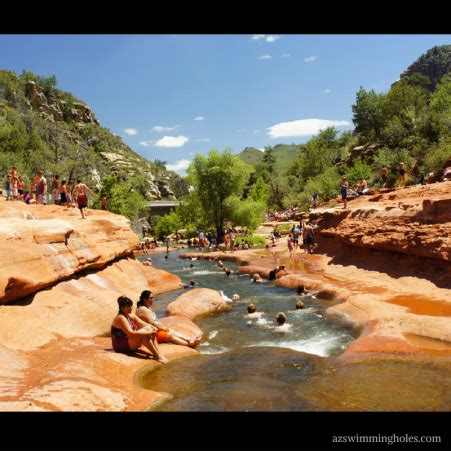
[[283, 153], [44, 128], [410, 124]]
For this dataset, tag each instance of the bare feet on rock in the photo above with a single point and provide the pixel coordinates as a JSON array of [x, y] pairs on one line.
[[193, 343], [163, 360]]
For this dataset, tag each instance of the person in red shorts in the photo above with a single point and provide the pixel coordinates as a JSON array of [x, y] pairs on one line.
[[164, 335], [128, 332]]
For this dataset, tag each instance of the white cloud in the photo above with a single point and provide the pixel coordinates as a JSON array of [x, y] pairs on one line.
[[266, 37], [203, 139], [130, 131], [310, 59], [272, 38], [302, 127], [160, 128], [265, 57], [286, 55], [179, 166], [144, 143], [172, 141], [326, 91], [199, 118], [241, 130]]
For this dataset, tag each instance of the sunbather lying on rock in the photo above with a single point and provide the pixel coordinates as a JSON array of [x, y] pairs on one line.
[[128, 332], [164, 334]]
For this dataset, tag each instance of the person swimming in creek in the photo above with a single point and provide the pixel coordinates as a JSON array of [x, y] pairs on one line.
[[299, 305], [235, 297], [256, 278], [252, 312], [163, 334], [282, 326], [188, 285], [129, 333]]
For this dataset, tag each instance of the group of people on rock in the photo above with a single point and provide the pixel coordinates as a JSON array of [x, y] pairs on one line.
[[131, 331], [362, 186], [62, 193], [306, 232], [283, 215]]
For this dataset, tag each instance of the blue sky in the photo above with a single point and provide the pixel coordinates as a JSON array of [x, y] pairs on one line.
[[171, 96]]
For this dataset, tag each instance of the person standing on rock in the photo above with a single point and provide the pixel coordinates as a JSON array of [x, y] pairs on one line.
[[9, 187], [384, 176], [308, 236], [20, 186], [62, 190], [41, 189], [232, 237], [69, 190], [55, 190], [82, 198], [128, 332], [105, 202], [344, 191]]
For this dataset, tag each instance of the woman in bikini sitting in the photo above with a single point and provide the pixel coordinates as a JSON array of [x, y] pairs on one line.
[[164, 334], [128, 332]]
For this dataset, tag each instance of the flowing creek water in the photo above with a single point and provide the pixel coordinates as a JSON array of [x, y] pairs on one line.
[[249, 365]]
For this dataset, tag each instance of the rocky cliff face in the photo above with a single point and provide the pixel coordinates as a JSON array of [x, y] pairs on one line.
[[51, 107], [434, 64], [415, 222], [48, 125]]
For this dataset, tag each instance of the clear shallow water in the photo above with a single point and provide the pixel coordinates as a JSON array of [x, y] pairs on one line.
[[311, 332], [252, 367]]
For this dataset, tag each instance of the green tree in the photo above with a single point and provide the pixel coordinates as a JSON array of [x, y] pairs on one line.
[[168, 224], [259, 191], [369, 114], [215, 178], [124, 196], [246, 213]]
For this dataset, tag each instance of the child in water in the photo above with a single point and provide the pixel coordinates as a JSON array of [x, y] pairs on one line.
[[252, 311], [281, 325]]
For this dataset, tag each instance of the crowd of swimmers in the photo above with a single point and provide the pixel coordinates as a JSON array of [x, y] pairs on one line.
[[130, 331], [61, 192]]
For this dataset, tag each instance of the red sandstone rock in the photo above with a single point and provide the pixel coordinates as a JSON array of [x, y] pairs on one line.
[[414, 221], [41, 245], [196, 302], [82, 307], [183, 325]]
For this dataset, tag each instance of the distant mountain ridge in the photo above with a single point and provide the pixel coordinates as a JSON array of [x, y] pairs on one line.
[[283, 153]]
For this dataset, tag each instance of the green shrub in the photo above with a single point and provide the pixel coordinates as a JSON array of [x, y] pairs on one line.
[[358, 171], [437, 156], [167, 225], [251, 239]]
